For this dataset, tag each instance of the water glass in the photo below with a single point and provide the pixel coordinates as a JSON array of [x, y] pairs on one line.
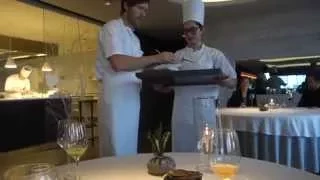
[[225, 161], [35, 171]]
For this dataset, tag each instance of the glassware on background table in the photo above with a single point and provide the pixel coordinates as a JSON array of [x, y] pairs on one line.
[[251, 98], [72, 138], [35, 171], [204, 111], [225, 161]]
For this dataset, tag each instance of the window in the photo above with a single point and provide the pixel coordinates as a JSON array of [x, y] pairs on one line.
[[293, 81]]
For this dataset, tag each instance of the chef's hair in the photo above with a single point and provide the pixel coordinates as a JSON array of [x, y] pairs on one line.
[[199, 24], [131, 3], [27, 67]]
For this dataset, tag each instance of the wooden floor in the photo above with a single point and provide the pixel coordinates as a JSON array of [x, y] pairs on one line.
[[48, 153]]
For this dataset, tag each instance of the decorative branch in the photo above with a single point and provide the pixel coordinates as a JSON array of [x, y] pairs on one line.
[[54, 109]]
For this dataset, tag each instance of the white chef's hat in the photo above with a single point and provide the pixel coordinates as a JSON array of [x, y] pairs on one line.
[[193, 10]]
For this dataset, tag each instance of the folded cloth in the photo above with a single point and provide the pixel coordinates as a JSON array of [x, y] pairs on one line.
[[172, 67]]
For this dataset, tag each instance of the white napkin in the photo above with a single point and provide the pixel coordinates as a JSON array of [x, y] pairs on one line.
[[172, 67]]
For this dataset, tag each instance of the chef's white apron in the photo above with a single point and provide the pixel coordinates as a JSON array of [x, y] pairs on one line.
[[120, 114], [186, 129]]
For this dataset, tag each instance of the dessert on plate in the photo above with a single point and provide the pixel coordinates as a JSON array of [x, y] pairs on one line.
[[180, 174]]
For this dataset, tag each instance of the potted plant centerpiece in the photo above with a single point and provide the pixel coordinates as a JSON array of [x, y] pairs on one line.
[[160, 164]]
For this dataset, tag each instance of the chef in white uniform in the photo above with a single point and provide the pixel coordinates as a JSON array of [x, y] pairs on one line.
[[119, 57], [195, 55], [19, 83]]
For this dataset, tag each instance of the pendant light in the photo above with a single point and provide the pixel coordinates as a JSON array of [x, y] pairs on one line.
[[108, 3], [46, 66], [10, 64]]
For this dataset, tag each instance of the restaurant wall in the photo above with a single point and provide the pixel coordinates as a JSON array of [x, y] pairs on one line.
[[266, 30]]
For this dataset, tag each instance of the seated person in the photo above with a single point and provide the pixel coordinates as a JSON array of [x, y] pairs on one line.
[[19, 83], [241, 97], [311, 95]]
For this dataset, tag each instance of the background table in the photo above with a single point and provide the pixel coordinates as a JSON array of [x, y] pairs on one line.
[[287, 136], [135, 168], [279, 99]]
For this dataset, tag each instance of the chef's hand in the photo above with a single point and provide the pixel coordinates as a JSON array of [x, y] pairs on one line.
[[26, 92], [161, 88], [166, 57]]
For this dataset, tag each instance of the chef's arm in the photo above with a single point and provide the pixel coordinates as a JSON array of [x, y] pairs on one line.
[[129, 63], [12, 90]]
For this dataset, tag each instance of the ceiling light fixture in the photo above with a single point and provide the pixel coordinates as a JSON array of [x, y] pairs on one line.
[[288, 59], [41, 55], [212, 1], [205, 1], [10, 64], [7, 51], [46, 67], [288, 65], [21, 57], [107, 3]]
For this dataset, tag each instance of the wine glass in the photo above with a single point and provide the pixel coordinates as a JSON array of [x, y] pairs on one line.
[[225, 161], [72, 138], [36, 171]]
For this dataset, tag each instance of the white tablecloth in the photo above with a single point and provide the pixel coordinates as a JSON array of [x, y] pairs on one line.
[[134, 168], [286, 136], [300, 122]]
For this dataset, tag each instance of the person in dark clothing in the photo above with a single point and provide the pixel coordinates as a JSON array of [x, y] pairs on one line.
[[261, 84], [302, 87], [311, 95], [275, 82], [241, 97]]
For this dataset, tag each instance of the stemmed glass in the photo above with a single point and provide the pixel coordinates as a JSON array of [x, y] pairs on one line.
[[72, 138], [225, 161]]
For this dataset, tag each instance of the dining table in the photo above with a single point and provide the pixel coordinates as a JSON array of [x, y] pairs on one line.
[[135, 168], [288, 136]]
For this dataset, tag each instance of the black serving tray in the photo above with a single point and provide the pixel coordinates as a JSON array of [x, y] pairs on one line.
[[181, 78]]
